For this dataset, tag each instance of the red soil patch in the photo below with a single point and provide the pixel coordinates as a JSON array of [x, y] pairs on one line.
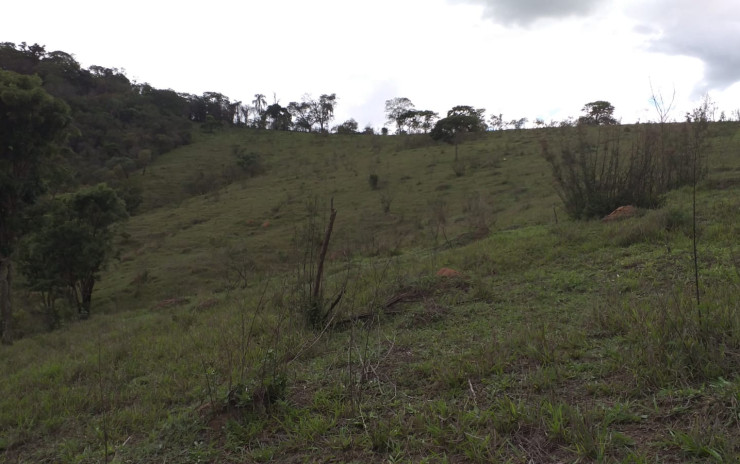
[[447, 272], [623, 212]]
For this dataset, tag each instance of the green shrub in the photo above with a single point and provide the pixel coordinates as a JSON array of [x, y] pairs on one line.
[[598, 170], [677, 219], [250, 163], [202, 183]]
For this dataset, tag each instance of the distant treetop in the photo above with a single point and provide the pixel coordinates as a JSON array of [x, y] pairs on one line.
[[598, 113]]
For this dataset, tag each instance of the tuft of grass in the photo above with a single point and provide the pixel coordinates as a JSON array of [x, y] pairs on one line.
[[671, 340]]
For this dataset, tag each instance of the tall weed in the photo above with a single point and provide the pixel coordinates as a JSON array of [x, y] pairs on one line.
[[598, 170]]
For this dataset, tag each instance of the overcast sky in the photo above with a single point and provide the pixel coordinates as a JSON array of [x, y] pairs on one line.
[[520, 58]]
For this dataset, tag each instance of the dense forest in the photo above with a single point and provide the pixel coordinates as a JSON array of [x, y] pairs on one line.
[[119, 126], [116, 127]]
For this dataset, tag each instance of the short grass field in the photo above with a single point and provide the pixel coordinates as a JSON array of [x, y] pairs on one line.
[[552, 341]]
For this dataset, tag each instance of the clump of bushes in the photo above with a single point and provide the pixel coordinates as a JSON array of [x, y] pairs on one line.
[[202, 183], [251, 163], [599, 169]]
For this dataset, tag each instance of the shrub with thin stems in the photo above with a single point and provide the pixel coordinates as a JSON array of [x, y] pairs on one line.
[[599, 169]]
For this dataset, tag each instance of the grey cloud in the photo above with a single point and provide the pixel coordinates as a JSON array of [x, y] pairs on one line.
[[526, 12], [707, 30]]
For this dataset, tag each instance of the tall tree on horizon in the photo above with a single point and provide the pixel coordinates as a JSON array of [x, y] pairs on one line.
[[279, 117], [303, 116], [260, 104], [395, 110], [323, 109], [598, 113], [459, 121]]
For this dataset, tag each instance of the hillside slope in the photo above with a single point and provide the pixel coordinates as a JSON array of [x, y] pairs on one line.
[[558, 340]]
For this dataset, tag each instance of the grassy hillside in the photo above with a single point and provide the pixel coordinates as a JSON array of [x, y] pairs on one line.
[[558, 341], [186, 242]]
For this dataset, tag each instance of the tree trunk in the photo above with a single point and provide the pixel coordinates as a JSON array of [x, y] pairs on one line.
[[86, 289], [6, 310]]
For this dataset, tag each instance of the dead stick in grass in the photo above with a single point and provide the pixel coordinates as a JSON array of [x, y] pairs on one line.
[[322, 255]]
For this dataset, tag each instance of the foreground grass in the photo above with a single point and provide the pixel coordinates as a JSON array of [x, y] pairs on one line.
[[558, 342]]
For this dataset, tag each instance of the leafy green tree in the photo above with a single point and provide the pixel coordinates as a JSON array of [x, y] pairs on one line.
[[497, 122], [302, 113], [459, 121], [469, 111], [518, 124], [310, 112], [218, 106], [427, 119], [197, 110], [396, 111], [251, 163], [279, 117], [210, 124], [32, 124], [323, 110], [17, 58], [598, 113], [167, 101], [111, 117], [32, 262], [347, 127], [415, 121], [243, 115], [71, 243]]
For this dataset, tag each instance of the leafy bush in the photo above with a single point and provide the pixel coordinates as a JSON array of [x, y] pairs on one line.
[[202, 183], [70, 243], [251, 163]]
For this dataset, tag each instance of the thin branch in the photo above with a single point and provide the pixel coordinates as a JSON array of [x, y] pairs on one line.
[[322, 255], [661, 108]]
